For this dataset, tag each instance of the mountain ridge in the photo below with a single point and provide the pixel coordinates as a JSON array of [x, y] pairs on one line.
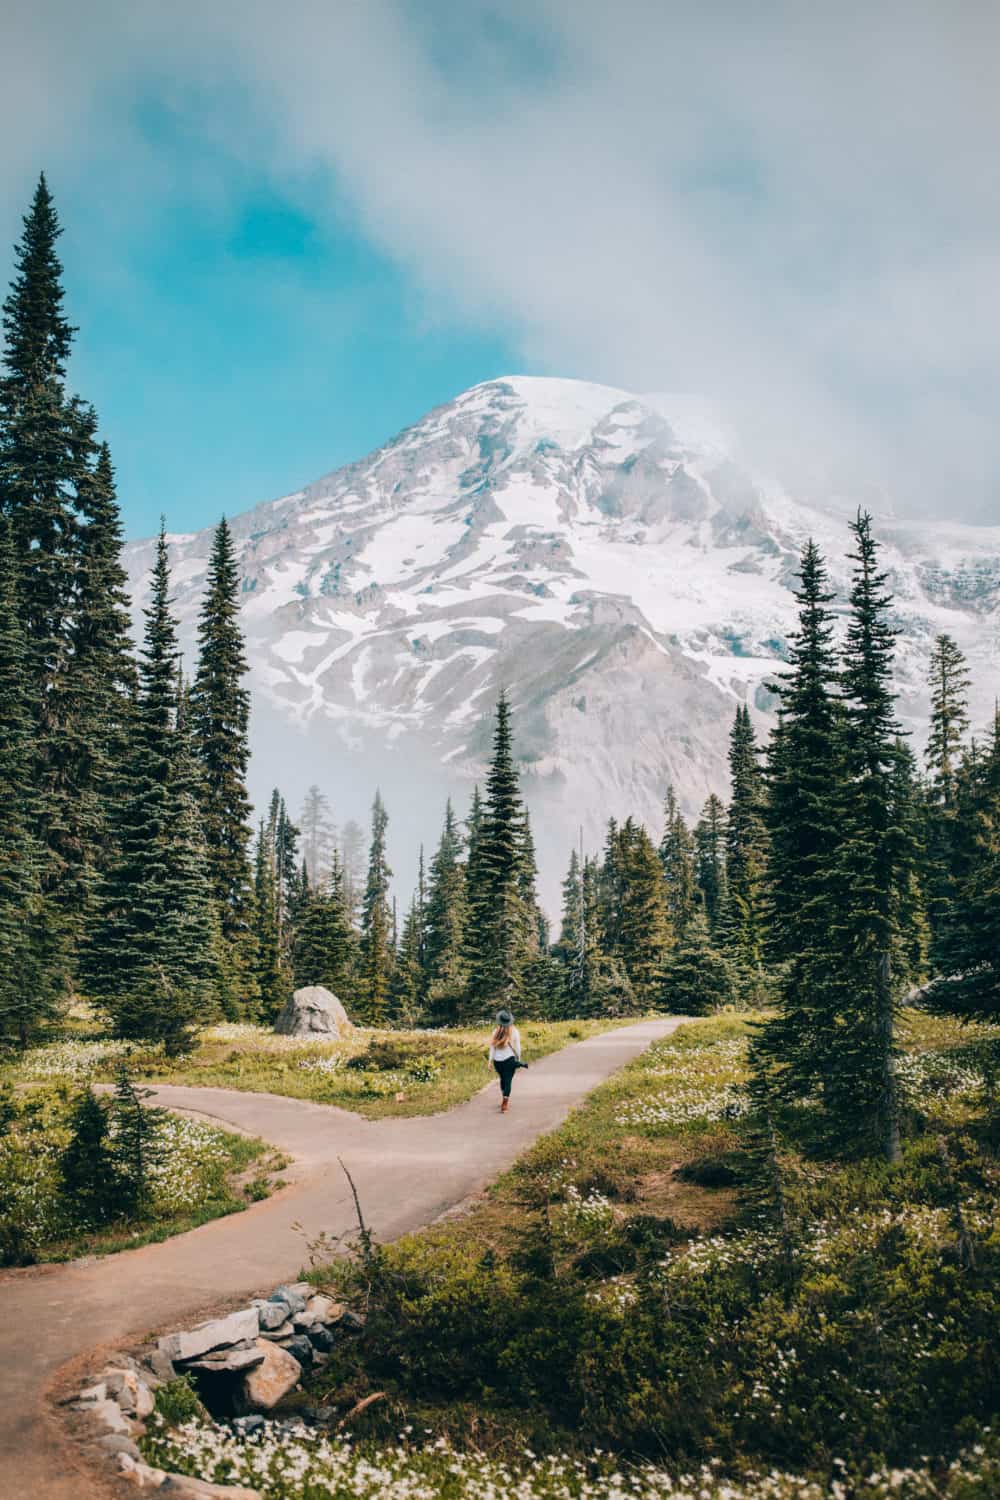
[[611, 564]]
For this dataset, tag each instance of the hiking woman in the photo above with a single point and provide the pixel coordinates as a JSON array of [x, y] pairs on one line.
[[505, 1054]]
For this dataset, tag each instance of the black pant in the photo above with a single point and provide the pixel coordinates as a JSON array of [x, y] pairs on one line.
[[506, 1068]]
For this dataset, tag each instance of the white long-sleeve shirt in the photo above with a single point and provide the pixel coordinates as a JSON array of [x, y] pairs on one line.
[[511, 1048]]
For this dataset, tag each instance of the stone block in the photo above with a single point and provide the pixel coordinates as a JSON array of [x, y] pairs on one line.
[[217, 1333]]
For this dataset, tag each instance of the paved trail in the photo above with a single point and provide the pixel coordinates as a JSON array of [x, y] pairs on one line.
[[407, 1172]]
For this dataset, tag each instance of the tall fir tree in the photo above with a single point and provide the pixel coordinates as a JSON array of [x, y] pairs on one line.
[[502, 936], [150, 955], [319, 834], [446, 919], [677, 856], [595, 983], [911, 931], [644, 933], [324, 946], [272, 979], [30, 952], [352, 863], [101, 640], [571, 928], [746, 857], [610, 890], [697, 978], [710, 860], [874, 863], [806, 772], [528, 883], [377, 954], [969, 951], [408, 985], [40, 438], [47, 454], [221, 716], [949, 684]]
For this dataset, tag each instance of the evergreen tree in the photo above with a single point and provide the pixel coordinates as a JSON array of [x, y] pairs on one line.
[[86, 1172], [527, 882], [710, 860], [806, 774], [677, 856], [949, 682], [150, 956], [375, 970], [408, 985], [697, 977], [595, 982], [446, 918], [911, 933], [46, 453], [352, 852], [136, 1147], [221, 714], [179, 982], [843, 898], [30, 956], [102, 647], [746, 854], [503, 930], [949, 685], [286, 868], [610, 890], [969, 952], [644, 938], [40, 438], [272, 979], [876, 860], [324, 948], [319, 835], [571, 931]]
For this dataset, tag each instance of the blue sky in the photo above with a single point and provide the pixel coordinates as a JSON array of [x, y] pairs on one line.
[[290, 230], [248, 350]]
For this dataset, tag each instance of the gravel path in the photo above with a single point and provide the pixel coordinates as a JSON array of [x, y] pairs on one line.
[[408, 1172]]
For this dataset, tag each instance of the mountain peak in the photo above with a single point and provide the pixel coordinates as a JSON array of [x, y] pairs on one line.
[[601, 553]]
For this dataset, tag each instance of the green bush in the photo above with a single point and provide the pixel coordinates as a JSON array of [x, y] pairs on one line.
[[178, 1402], [870, 1335]]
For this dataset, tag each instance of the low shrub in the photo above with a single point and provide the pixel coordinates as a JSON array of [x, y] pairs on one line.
[[63, 1189]]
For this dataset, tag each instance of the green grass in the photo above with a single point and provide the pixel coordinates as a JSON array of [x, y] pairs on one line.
[[612, 1292], [611, 1289], [408, 1072], [206, 1173]]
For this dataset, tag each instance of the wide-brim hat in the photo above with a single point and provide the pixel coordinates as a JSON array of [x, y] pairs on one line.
[[504, 1018]]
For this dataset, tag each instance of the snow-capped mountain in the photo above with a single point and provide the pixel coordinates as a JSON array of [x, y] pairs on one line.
[[599, 553]]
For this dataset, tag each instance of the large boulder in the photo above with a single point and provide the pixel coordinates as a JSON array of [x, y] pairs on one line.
[[313, 1011], [273, 1378]]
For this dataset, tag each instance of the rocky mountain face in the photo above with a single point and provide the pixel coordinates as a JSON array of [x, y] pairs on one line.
[[600, 554]]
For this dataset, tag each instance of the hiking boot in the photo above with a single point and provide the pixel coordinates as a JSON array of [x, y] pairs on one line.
[[504, 1105]]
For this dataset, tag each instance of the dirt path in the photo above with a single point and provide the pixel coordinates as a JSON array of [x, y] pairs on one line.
[[408, 1172]]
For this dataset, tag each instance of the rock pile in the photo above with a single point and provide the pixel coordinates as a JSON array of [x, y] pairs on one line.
[[242, 1365]]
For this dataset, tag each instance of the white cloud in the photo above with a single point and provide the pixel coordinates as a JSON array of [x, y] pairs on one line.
[[793, 209]]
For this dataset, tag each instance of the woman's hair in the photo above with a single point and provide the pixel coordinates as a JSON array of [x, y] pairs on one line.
[[501, 1035]]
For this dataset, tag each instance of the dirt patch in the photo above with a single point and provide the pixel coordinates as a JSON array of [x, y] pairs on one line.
[[691, 1207]]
